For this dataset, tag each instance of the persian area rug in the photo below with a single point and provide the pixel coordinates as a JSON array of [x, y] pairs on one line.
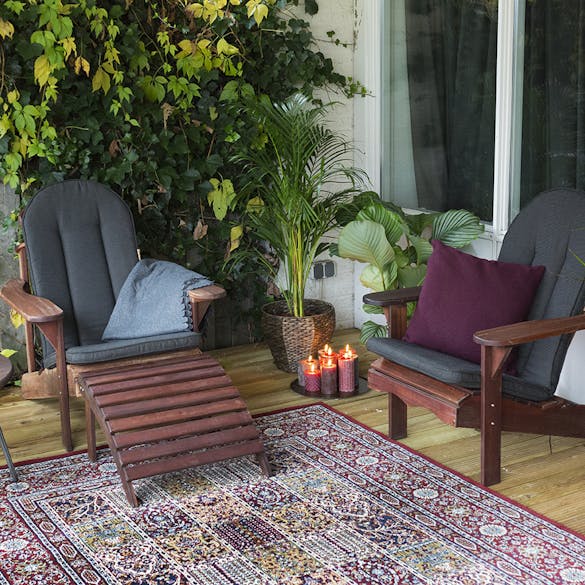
[[346, 506]]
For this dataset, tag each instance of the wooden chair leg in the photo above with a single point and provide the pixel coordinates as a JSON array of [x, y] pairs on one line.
[[53, 331], [396, 417], [492, 361], [90, 432]]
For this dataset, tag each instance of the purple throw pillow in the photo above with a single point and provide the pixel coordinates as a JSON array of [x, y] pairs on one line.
[[463, 294]]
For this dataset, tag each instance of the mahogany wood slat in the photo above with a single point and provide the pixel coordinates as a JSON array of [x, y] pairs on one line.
[[156, 391], [192, 427], [167, 416]]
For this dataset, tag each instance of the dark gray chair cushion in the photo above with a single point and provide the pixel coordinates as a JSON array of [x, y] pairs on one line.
[[126, 348], [81, 246], [550, 232], [450, 369]]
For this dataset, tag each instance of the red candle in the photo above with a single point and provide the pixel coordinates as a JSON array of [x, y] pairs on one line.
[[327, 353], [304, 365], [356, 366], [346, 364], [329, 377], [312, 379]]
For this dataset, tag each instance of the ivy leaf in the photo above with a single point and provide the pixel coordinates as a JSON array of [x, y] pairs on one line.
[[16, 319], [101, 80], [221, 197], [69, 46], [229, 92], [235, 236], [6, 29], [81, 64], [311, 7], [224, 48], [42, 70]]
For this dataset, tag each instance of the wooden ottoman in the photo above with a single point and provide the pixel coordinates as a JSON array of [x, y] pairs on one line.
[[168, 415]]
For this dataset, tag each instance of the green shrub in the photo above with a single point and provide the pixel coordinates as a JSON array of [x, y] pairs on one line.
[[143, 95]]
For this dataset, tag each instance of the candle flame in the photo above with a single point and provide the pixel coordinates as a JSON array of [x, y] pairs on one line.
[[312, 368]]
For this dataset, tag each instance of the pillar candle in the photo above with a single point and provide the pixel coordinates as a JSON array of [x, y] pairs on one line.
[[312, 379], [329, 377], [326, 353], [304, 365], [346, 364], [356, 365]]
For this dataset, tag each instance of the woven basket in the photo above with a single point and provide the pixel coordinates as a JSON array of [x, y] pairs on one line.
[[291, 339]]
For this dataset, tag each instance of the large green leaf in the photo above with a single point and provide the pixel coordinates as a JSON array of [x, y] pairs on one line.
[[423, 248], [371, 329], [393, 224], [365, 241], [417, 222], [379, 280], [456, 227], [372, 309], [412, 275]]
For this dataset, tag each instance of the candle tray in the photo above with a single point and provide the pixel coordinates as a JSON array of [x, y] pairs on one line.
[[361, 389]]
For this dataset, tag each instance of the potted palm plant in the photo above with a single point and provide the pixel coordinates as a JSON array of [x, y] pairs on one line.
[[294, 187]]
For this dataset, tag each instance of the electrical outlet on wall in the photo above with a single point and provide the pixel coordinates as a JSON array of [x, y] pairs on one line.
[[323, 269]]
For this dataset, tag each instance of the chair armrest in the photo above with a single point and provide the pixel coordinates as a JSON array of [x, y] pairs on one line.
[[33, 309], [201, 299], [526, 331], [398, 296], [208, 293]]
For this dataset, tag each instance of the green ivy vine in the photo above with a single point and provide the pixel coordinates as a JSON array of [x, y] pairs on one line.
[[144, 95]]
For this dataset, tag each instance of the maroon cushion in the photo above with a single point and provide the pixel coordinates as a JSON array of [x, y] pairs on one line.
[[463, 294]]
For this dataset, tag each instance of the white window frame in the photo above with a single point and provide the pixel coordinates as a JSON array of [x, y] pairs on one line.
[[368, 119]]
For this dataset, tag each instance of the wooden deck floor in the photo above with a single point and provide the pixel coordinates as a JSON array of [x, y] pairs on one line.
[[547, 474]]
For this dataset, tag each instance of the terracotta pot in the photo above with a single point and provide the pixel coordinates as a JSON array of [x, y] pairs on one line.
[[291, 339]]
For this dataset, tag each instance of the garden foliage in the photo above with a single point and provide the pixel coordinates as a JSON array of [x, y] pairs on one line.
[[144, 96]]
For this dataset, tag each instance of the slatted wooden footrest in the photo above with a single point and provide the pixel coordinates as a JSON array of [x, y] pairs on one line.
[[168, 415]]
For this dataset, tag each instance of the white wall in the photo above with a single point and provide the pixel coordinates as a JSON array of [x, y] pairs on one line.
[[337, 15]]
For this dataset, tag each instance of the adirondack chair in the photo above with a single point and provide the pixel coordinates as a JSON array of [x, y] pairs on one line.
[[162, 404], [550, 232]]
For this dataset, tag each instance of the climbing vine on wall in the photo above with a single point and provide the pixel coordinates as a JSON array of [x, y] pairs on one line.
[[144, 95]]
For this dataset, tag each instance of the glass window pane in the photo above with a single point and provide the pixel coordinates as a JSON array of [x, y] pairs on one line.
[[553, 121], [439, 104]]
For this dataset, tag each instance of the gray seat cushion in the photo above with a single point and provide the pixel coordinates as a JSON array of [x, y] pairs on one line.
[[127, 348], [450, 369]]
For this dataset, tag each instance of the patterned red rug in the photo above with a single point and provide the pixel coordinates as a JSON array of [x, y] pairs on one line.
[[346, 506]]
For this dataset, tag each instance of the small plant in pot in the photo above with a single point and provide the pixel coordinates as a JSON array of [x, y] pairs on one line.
[[295, 184]]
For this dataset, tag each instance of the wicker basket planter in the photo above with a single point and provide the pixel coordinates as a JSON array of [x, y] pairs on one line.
[[291, 339]]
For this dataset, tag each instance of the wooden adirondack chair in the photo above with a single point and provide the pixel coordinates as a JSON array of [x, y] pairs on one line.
[[550, 231]]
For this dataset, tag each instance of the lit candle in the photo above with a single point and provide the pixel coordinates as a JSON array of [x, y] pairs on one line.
[[346, 365], [327, 353], [304, 365], [329, 377], [356, 365], [312, 379]]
